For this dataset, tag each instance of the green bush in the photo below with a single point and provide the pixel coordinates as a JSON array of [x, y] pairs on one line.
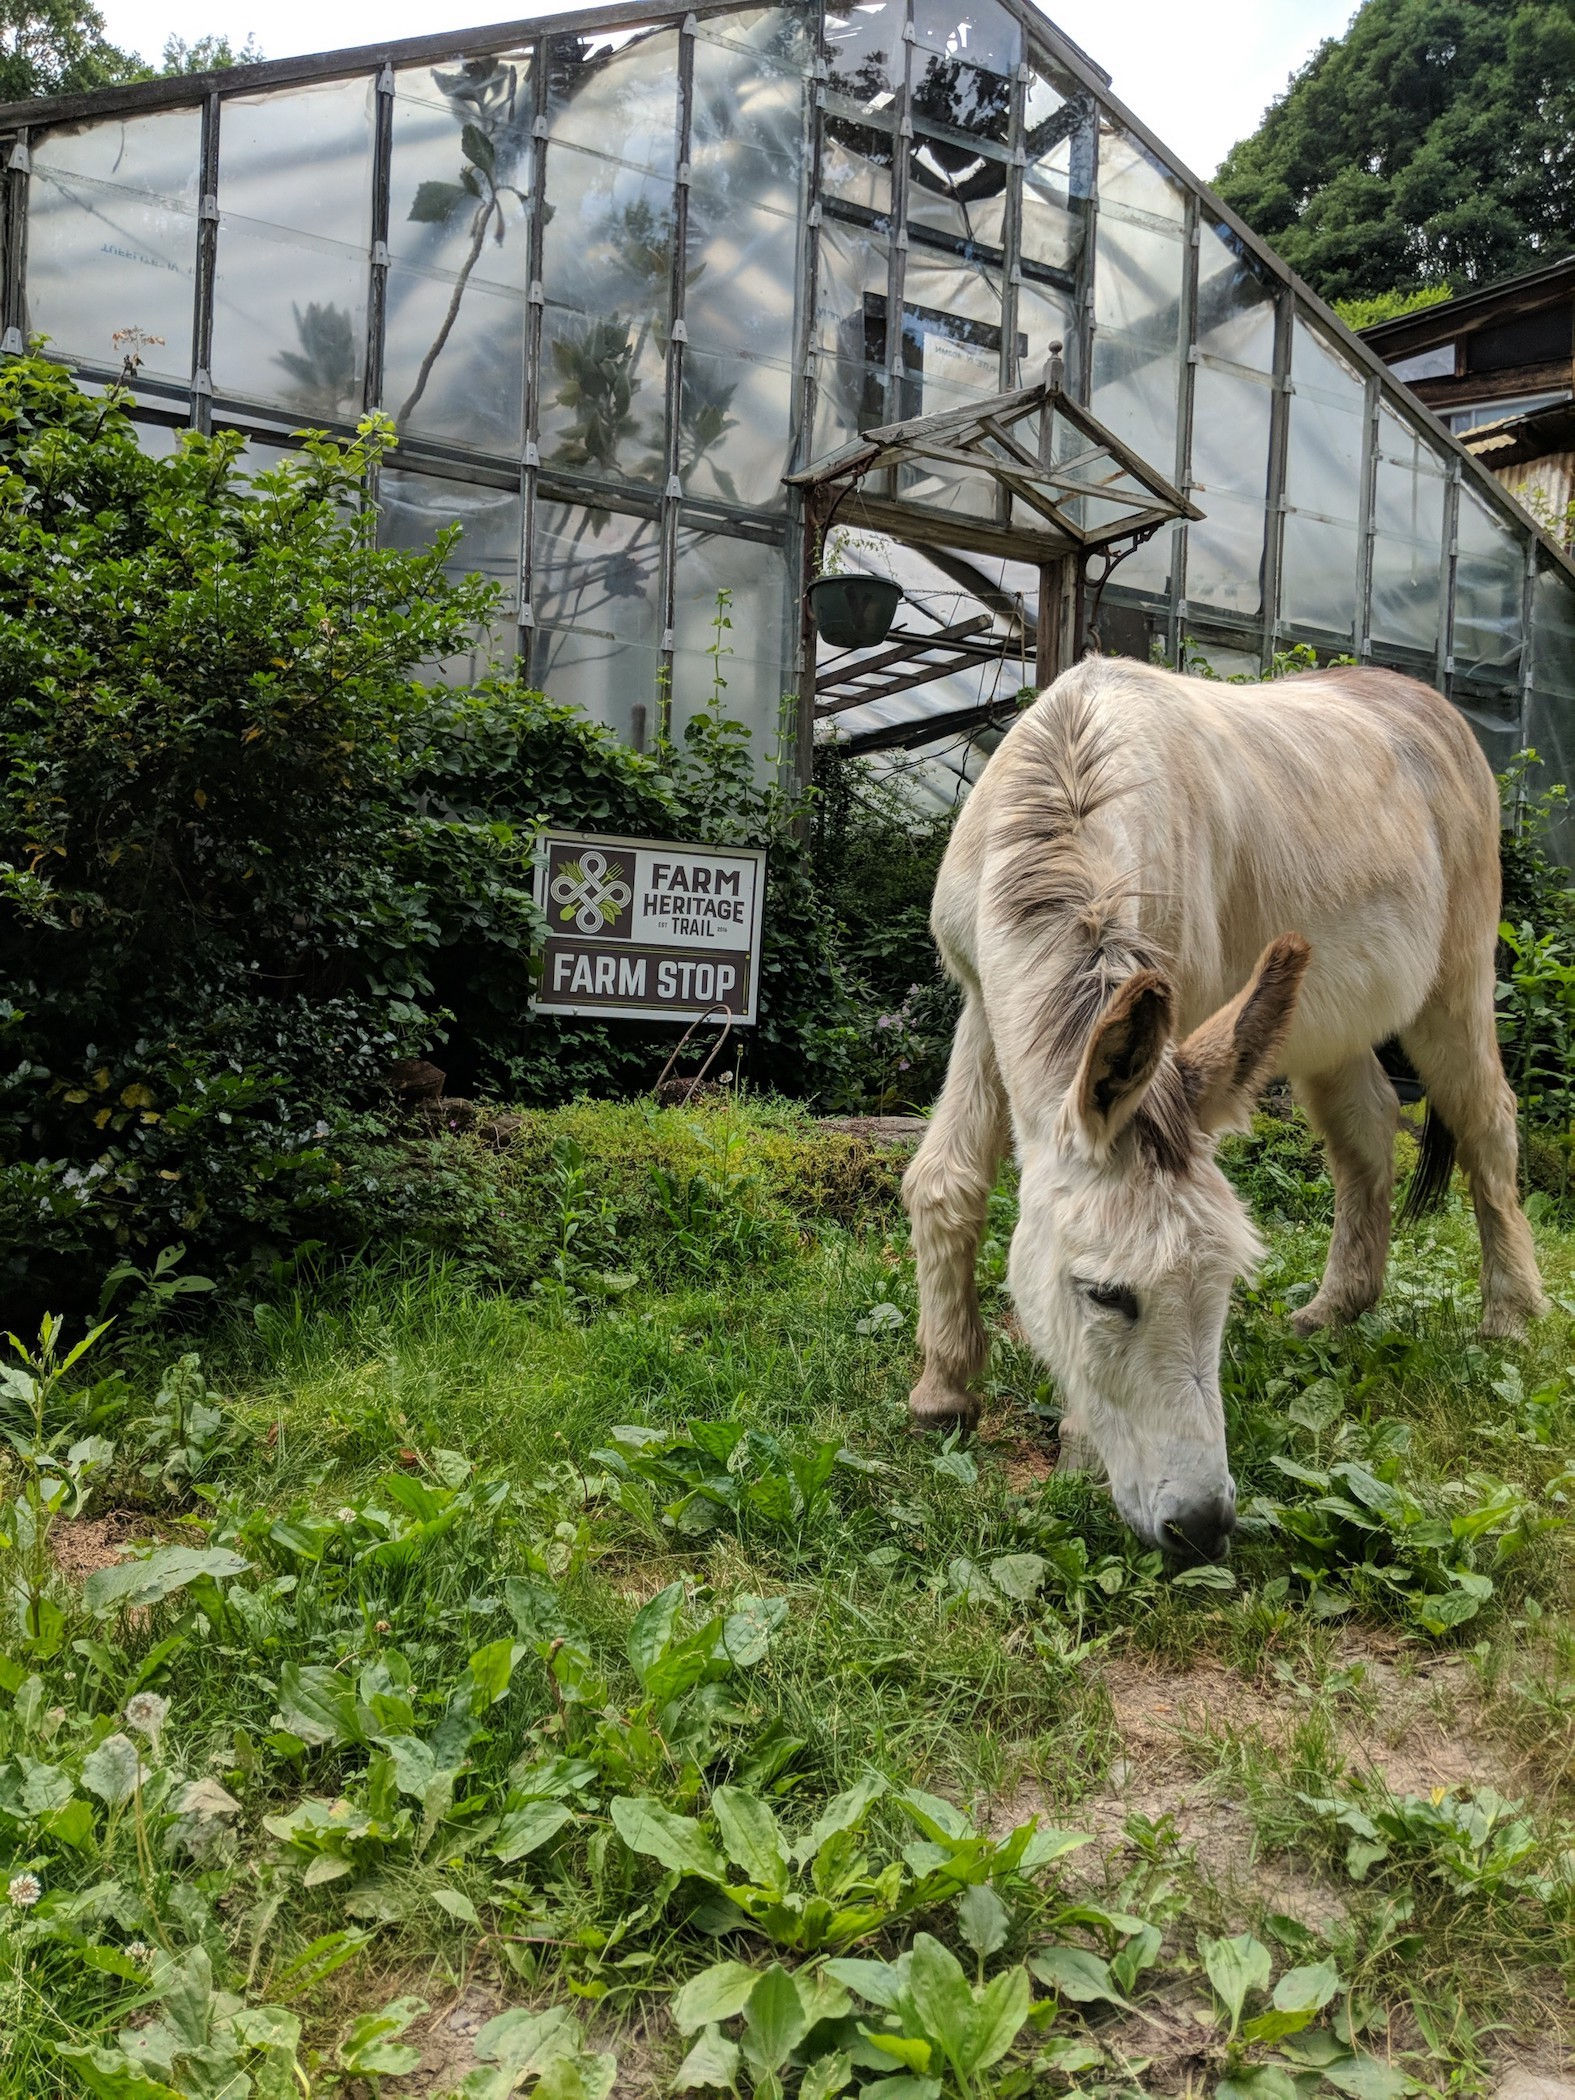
[[247, 857]]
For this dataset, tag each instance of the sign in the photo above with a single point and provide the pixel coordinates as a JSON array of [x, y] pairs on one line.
[[647, 929]]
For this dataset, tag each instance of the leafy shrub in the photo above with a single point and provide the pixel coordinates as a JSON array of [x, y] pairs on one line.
[[247, 857]]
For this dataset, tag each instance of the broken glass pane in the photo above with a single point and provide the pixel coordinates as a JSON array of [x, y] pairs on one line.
[[1490, 573], [980, 31], [1408, 541], [598, 635], [458, 240], [1060, 134], [112, 240], [951, 99], [959, 190], [295, 199], [856, 162], [864, 46]]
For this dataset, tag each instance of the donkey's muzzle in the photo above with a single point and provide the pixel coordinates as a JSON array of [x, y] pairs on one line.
[[1199, 1532]]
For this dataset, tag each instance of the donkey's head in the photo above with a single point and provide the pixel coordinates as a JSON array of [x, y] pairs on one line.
[[1130, 1237]]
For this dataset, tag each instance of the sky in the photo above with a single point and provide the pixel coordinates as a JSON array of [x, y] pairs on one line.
[[1200, 74]]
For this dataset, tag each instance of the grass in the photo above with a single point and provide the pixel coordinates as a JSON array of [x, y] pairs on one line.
[[483, 1613]]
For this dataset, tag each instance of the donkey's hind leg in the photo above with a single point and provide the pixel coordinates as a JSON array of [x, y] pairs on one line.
[[1354, 1110], [1454, 1048], [946, 1190]]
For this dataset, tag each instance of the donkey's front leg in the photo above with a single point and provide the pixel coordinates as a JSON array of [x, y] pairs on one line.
[[1354, 1110], [946, 1190]]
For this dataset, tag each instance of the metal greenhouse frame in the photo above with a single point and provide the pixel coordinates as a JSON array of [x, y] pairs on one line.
[[742, 238]]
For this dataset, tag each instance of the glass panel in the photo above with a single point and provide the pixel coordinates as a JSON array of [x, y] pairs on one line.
[[778, 35], [414, 508], [864, 46], [1044, 316], [1553, 632], [1550, 732], [295, 182], [977, 30], [598, 639], [1148, 568], [158, 440], [618, 94], [112, 240], [1225, 557], [1230, 436], [956, 99], [1408, 559], [1490, 573], [754, 664], [606, 267], [1059, 139], [746, 162], [1323, 483], [1133, 181], [459, 251], [850, 329], [1235, 306], [856, 161], [959, 190], [1137, 338]]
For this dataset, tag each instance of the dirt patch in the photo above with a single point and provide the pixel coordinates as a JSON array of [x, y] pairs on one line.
[[85, 1544], [1412, 1725], [1026, 1458], [447, 2041]]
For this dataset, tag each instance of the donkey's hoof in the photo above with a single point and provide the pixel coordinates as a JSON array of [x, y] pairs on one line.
[[1324, 1311], [1507, 1318], [935, 1403]]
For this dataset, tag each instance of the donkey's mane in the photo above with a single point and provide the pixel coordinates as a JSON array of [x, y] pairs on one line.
[[1052, 889]]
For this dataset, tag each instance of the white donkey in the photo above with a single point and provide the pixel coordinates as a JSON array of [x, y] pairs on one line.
[[1160, 893]]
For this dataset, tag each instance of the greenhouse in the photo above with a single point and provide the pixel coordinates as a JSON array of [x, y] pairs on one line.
[[635, 286]]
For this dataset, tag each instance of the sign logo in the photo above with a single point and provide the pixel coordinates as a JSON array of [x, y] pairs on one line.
[[650, 930], [591, 891]]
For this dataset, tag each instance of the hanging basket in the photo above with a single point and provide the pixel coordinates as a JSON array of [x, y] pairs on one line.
[[854, 612]]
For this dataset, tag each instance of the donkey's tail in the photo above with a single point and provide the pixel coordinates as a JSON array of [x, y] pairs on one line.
[[1435, 1162]]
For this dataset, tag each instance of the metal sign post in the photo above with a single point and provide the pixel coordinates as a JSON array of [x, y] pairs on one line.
[[648, 929]]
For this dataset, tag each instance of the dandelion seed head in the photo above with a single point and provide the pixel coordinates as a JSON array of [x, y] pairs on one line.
[[146, 1712]]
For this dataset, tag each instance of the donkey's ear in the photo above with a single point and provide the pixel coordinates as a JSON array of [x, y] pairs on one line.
[[1122, 1056], [1227, 1061]]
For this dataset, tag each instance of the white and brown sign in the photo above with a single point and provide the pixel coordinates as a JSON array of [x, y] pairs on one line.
[[649, 930]]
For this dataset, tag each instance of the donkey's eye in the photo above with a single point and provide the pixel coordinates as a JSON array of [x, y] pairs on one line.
[[1113, 1297]]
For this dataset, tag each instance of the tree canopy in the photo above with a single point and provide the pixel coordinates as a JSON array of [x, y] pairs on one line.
[[58, 47], [1434, 144]]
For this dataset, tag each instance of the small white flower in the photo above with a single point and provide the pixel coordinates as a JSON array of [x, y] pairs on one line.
[[146, 1712], [23, 1891], [346, 1515], [138, 1950]]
